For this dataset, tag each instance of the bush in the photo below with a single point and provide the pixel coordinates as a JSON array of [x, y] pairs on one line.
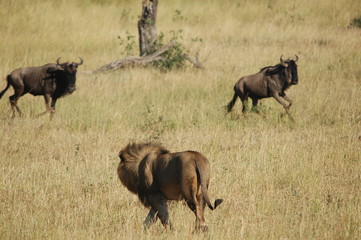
[[356, 22], [129, 44], [175, 56]]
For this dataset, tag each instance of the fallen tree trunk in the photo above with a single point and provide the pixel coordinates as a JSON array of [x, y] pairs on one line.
[[135, 60]]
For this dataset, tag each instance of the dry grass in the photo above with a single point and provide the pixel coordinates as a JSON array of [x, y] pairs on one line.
[[280, 180]]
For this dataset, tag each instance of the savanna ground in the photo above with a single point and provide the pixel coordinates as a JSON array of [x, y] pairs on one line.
[[279, 180]]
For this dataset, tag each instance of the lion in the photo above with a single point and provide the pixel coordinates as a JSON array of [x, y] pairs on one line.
[[157, 176]]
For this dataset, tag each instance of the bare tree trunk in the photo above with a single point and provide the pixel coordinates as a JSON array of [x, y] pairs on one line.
[[147, 27]]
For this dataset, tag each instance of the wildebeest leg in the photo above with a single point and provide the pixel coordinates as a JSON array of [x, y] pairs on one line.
[[254, 104], [278, 98], [47, 105], [14, 100], [150, 219], [159, 205], [244, 100], [285, 97], [52, 108]]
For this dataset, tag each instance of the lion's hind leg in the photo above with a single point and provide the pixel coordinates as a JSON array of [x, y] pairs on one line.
[[196, 205], [201, 205]]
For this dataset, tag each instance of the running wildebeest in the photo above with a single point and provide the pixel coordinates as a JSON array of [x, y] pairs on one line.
[[51, 81], [271, 81], [157, 176]]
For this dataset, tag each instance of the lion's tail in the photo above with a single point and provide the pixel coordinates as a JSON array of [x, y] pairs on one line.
[[205, 190]]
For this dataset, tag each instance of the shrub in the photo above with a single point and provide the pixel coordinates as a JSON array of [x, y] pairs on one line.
[[174, 58], [129, 45], [356, 22]]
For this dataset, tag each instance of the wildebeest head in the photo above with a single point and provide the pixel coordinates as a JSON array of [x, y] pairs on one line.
[[69, 71], [291, 68]]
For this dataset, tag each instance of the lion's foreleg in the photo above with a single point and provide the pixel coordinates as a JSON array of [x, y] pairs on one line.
[[159, 204], [150, 219]]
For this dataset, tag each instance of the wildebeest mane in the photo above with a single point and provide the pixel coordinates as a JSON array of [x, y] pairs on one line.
[[52, 73], [271, 70]]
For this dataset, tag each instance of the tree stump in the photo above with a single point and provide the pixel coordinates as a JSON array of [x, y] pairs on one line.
[[147, 27]]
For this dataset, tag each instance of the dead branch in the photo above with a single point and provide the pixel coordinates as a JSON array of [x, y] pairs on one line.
[[194, 60]]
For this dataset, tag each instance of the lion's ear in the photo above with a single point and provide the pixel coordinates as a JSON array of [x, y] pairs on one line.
[[164, 151]]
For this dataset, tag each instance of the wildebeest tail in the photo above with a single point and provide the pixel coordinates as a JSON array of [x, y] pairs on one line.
[[232, 102], [7, 86], [205, 190]]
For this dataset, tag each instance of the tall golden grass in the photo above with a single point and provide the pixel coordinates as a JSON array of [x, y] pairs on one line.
[[280, 180]]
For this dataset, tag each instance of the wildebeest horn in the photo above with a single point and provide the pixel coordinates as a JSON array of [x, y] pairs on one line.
[[57, 61], [81, 61], [296, 58], [282, 62]]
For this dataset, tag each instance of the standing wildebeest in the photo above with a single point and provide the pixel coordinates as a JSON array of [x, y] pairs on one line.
[[51, 80], [270, 81], [157, 176]]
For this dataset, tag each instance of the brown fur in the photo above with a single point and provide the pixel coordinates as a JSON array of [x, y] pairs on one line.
[[156, 176]]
